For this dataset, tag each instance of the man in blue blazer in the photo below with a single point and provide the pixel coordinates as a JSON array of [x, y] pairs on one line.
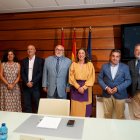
[[31, 73], [55, 74], [114, 78]]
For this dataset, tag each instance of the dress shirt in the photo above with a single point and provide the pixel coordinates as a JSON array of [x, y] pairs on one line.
[[31, 65], [136, 65], [114, 69]]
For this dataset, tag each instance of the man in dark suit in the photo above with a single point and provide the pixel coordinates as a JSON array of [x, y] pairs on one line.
[[31, 73], [134, 66], [114, 78]]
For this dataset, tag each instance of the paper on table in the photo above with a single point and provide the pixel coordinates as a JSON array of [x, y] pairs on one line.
[[49, 122]]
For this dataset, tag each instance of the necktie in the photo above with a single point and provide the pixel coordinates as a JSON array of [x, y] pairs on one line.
[[138, 68], [57, 64], [138, 65]]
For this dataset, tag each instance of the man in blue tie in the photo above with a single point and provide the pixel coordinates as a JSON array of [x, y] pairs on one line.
[[114, 78], [134, 66], [55, 74]]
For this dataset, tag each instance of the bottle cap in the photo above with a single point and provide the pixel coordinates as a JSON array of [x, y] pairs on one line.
[[3, 124]]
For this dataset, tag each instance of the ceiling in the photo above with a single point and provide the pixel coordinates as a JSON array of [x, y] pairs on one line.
[[12, 6]]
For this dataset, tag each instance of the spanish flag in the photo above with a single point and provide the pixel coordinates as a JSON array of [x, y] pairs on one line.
[[73, 56]]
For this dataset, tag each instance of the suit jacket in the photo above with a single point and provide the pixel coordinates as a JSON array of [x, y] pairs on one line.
[[134, 75], [122, 80], [52, 79], [37, 71]]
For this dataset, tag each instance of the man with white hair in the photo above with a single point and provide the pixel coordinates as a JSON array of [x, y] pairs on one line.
[[134, 66], [55, 74]]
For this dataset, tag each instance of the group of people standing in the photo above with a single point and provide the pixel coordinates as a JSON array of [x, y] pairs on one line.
[[30, 72], [115, 78], [58, 74], [77, 76]]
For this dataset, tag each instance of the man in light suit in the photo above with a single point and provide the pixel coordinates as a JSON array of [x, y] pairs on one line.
[[55, 74], [31, 74], [134, 66], [114, 78]]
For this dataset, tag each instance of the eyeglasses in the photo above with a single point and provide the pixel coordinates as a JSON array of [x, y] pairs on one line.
[[61, 50]]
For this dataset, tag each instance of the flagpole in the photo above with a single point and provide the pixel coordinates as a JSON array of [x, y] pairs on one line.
[[62, 37], [90, 28], [89, 47]]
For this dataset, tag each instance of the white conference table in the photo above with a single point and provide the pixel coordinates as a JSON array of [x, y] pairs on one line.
[[94, 128]]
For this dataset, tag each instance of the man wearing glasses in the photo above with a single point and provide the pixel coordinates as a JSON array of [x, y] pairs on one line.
[[55, 74], [134, 66]]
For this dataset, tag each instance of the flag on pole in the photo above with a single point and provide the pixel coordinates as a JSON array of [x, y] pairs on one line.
[[89, 47], [62, 37], [73, 56]]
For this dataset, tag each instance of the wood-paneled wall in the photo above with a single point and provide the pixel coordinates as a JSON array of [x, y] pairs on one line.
[[43, 29]]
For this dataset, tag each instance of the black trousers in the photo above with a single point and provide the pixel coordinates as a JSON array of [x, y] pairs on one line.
[[31, 98]]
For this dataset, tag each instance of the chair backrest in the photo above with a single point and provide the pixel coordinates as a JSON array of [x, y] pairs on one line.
[[54, 107], [100, 109]]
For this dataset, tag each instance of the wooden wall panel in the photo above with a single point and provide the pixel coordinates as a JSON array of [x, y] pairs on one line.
[[97, 32], [22, 54], [58, 22], [98, 65], [129, 10], [97, 55], [128, 19], [97, 44], [35, 24], [43, 29], [101, 55], [97, 89], [68, 13]]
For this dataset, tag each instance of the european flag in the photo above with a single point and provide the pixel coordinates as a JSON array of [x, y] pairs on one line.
[[89, 47]]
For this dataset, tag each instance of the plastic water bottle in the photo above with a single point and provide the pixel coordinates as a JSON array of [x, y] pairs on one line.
[[0, 133], [3, 132]]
